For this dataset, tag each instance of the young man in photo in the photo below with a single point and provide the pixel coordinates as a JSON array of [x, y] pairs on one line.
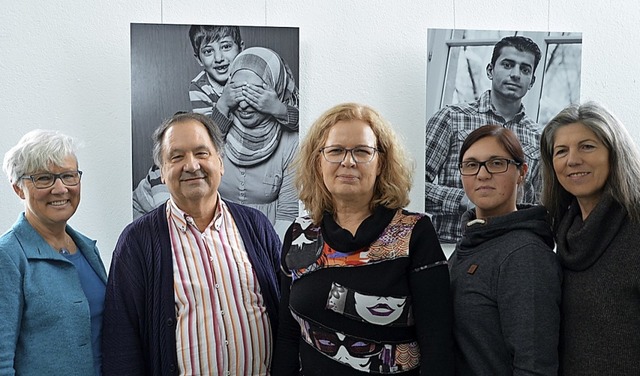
[[511, 71]]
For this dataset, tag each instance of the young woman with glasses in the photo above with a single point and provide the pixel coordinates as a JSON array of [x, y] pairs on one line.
[[505, 278]]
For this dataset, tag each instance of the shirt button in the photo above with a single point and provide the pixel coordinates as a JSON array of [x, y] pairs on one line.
[[217, 286], [226, 343], [222, 313]]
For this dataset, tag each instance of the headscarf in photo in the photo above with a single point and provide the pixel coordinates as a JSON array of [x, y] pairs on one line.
[[250, 146]]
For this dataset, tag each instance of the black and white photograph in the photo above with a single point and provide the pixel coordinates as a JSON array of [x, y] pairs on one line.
[[516, 79], [245, 78]]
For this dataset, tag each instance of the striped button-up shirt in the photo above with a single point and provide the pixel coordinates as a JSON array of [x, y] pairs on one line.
[[446, 131], [222, 323]]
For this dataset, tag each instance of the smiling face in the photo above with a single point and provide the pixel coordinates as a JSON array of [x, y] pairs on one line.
[[192, 167], [512, 75], [53, 206], [493, 194], [350, 182], [247, 115], [216, 57], [581, 164]]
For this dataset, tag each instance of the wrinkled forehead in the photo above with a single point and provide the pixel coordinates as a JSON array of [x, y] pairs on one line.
[[187, 134]]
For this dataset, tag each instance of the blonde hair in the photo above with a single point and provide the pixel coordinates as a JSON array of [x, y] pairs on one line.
[[392, 186]]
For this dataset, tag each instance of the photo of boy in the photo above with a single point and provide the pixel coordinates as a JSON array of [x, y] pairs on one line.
[[215, 48]]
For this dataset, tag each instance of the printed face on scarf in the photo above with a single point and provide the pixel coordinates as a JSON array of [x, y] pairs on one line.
[[379, 310], [304, 248], [356, 353], [244, 112]]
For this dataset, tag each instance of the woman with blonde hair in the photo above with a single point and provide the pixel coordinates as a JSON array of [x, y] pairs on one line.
[[366, 287]]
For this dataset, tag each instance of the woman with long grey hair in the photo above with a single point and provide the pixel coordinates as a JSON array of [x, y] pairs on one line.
[[591, 183]]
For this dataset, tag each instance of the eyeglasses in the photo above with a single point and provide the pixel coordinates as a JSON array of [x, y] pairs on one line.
[[329, 343], [46, 180], [493, 166], [337, 154]]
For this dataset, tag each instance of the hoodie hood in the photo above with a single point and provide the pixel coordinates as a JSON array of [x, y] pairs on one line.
[[530, 218]]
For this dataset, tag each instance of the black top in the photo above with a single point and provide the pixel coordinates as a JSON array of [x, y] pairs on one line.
[[375, 302]]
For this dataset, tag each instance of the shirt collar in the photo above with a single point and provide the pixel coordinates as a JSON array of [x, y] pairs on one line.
[[485, 105], [182, 220]]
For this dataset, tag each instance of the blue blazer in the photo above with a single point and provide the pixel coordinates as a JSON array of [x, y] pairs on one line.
[[45, 325]]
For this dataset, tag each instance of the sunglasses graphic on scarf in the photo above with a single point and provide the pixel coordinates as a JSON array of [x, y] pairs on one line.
[[329, 343]]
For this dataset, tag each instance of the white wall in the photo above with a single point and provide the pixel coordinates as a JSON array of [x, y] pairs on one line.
[[65, 65]]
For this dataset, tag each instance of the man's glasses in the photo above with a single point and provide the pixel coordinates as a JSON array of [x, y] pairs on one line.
[[46, 180], [493, 166], [337, 154]]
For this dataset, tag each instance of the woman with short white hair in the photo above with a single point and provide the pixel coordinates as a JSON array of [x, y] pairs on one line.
[[53, 281]]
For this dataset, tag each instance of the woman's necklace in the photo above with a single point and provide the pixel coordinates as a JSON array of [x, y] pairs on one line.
[[67, 246]]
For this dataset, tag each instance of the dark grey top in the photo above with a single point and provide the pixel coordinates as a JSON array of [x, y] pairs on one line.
[[506, 284], [601, 291]]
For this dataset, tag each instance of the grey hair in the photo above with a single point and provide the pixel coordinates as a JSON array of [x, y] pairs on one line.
[[623, 183], [36, 151], [158, 134]]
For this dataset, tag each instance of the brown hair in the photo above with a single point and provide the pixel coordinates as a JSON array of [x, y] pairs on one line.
[[504, 136]]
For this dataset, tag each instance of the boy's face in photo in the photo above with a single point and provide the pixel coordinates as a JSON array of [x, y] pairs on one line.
[[216, 57], [512, 76]]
